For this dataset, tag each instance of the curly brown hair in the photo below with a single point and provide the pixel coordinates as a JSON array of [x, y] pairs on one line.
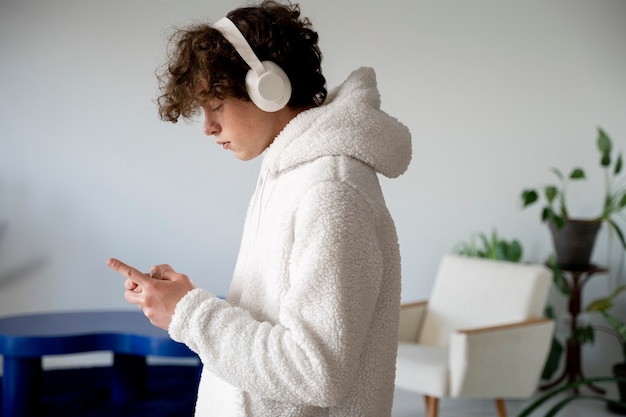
[[202, 63]]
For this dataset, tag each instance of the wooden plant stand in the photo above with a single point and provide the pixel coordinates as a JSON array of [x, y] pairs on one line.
[[572, 372]]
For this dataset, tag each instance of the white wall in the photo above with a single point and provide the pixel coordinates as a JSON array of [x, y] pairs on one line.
[[495, 93]]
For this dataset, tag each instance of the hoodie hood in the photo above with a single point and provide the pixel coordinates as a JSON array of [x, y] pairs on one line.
[[349, 123]]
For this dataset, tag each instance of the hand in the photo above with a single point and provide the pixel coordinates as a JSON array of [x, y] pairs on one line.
[[156, 294]]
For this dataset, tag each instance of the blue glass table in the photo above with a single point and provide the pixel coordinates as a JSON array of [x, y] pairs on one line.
[[128, 334]]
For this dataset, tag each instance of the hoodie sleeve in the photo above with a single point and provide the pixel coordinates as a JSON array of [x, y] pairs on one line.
[[311, 355]]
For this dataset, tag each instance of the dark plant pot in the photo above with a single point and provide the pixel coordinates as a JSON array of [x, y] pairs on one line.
[[619, 370], [574, 242]]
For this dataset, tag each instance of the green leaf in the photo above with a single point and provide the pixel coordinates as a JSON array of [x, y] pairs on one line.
[[500, 251], [515, 251], [605, 146], [622, 201], [618, 232], [618, 165], [618, 291], [557, 276], [508, 251], [485, 252], [616, 324], [558, 173], [551, 192], [553, 360], [600, 304], [604, 142], [559, 221], [529, 197], [584, 334], [559, 405], [605, 303], [577, 174]]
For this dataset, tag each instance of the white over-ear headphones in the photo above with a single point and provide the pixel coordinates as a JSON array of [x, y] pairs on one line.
[[267, 84]]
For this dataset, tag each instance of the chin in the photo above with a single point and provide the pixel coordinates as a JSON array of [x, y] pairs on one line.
[[246, 156]]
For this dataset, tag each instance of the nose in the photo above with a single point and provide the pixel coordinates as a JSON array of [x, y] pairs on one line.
[[210, 127]]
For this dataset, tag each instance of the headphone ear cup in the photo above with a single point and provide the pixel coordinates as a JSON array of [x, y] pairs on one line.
[[271, 90]]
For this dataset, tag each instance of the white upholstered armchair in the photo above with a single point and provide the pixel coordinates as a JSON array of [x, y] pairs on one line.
[[481, 334]]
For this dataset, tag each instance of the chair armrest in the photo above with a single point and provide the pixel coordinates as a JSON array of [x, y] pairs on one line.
[[499, 361], [411, 318], [475, 330]]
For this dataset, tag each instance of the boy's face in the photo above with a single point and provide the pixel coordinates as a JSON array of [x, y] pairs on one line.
[[240, 126]]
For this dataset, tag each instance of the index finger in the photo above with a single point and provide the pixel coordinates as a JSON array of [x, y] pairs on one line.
[[127, 270]]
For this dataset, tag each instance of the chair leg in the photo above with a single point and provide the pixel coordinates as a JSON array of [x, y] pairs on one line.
[[432, 405], [500, 407]]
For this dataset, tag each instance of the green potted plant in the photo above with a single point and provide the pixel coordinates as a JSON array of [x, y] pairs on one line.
[[574, 238], [492, 247], [617, 328]]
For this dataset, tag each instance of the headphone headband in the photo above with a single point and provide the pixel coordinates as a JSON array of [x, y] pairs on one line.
[[233, 35]]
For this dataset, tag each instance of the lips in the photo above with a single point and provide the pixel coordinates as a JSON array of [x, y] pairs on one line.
[[225, 145]]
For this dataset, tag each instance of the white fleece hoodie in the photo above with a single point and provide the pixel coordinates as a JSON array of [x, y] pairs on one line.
[[309, 327]]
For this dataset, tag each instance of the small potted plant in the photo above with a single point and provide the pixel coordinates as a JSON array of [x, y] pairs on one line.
[[492, 247], [574, 238]]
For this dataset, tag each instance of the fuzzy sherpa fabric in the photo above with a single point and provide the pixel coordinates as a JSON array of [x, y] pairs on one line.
[[309, 327]]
